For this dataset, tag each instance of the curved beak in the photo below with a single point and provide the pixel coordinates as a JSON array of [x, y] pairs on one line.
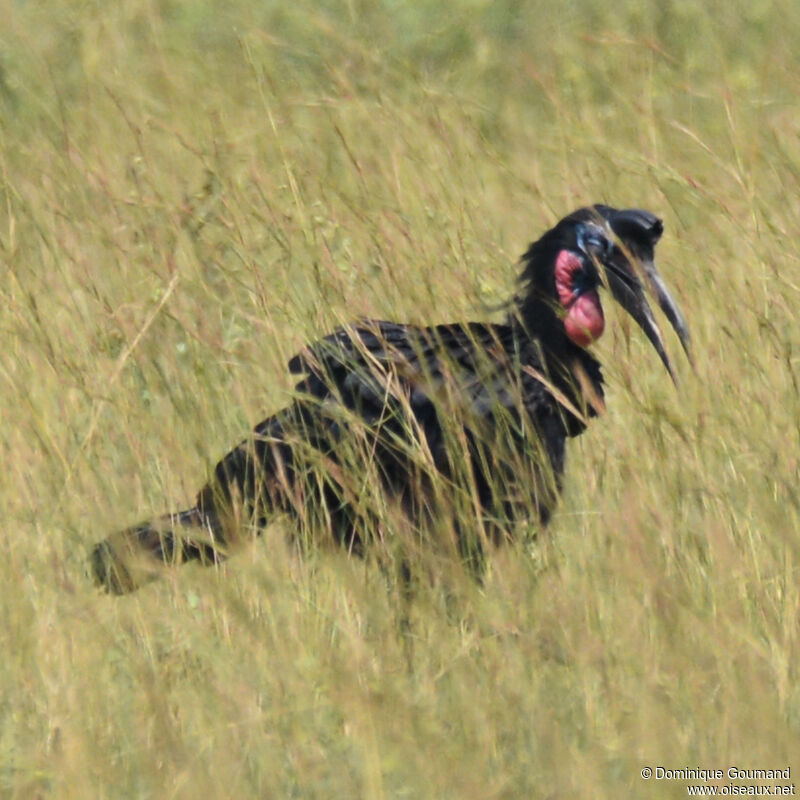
[[629, 291], [669, 307], [630, 273]]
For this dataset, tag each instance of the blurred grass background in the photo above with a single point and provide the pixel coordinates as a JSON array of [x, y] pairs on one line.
[[188, 191]]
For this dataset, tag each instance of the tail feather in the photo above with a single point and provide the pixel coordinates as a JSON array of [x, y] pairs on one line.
[[132, 557]]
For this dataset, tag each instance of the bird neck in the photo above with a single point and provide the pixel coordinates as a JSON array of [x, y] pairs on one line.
[[539, 329], [534, 317]]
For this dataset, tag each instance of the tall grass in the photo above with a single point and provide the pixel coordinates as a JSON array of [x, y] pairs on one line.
[[191, 191]]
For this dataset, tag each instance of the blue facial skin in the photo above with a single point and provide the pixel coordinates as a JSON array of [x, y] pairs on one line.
[[582, 281], [593, 245]]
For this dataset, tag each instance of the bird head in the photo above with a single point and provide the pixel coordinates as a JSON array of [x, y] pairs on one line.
[[601, 247]]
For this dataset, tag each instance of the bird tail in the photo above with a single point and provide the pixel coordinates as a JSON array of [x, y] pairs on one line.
[[132, 557]]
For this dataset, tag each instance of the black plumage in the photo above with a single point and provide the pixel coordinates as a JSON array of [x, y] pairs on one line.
[[462, 422]]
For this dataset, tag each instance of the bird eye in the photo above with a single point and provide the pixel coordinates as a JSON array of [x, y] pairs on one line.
[[594, 243]]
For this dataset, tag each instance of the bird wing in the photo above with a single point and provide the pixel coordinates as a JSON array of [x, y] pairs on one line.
[[372, 365]]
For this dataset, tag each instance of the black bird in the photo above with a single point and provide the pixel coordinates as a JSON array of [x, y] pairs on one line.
[[464, 422]]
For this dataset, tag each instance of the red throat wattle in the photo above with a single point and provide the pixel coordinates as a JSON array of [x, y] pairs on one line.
[[584, 322]]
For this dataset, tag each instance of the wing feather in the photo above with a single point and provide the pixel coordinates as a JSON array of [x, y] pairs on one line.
[[372, 362]]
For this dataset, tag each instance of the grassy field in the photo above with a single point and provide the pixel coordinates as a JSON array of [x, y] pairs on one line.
[[189, 191]]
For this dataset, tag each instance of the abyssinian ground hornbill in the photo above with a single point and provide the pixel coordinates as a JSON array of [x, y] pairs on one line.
[[465, 423]]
